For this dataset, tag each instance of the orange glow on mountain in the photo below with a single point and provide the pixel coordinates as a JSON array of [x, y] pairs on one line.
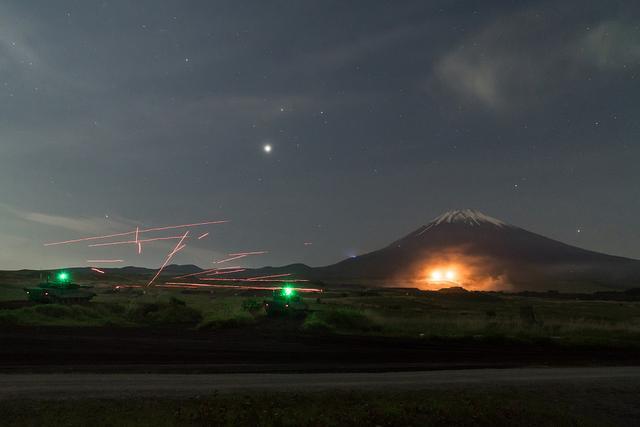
[[439, 275]]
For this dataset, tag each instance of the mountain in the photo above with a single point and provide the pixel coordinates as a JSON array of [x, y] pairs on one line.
[[471, 249]]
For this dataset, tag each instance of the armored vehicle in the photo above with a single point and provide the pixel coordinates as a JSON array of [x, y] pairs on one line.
[[59, 289], [286, 301]]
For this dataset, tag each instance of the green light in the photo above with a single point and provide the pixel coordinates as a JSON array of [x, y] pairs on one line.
[[63, 277], [288, 291]]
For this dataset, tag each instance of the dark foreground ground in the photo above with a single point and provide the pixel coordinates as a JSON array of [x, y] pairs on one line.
[[271, 349], [552, 402], [82, 386], [273, 374]]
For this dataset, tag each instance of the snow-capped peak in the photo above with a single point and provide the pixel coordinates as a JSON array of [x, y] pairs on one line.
[[467, 216]]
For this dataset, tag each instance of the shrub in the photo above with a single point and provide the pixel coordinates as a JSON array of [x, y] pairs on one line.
[[340, 319], [217, 321], [314, 323], [251, 305], [173, 312], [54, 310], [9, 318]]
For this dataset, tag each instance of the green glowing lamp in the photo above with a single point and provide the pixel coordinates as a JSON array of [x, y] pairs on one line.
[[63, 277], [288, 291]]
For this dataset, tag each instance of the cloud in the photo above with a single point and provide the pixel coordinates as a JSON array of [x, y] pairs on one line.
[[474, 76], [77, 224], [351, 52], [612, 45], [14, 45], [503, 66], [530, 58]]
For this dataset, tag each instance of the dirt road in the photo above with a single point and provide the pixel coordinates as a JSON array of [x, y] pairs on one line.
[[65, 386]]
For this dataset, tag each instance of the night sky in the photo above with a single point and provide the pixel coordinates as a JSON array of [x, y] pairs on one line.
[[380, 116]]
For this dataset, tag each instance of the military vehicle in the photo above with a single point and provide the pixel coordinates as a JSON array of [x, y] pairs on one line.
[[286, 302], [60, 290]]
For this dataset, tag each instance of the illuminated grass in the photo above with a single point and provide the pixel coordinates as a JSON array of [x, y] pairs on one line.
[[598, 323]]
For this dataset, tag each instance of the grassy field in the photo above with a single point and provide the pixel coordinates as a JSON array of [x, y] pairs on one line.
[[485, 317], [429, 315], [490, 406]]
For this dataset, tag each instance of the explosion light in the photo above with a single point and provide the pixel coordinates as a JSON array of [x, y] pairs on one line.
[[444, 275]]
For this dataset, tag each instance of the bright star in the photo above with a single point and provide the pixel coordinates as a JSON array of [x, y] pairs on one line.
[[267, 148]]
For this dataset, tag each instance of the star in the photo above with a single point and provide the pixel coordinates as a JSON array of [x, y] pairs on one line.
[[267, 148]]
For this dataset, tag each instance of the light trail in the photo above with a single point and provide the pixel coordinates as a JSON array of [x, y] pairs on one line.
[[85, 239], [172, 227], [138, 244], [248, 279], [249, 253], [206, 285], [108, 236], [203, 236], [209, 285], [212, 271], [127, 286], [175, 250], [272, 276], [103, 261], [197, 274], [227, 272], [97, 270], [230, 259], [126, 242]]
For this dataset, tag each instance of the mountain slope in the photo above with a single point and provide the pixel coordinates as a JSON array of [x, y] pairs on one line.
[[486, 253]]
